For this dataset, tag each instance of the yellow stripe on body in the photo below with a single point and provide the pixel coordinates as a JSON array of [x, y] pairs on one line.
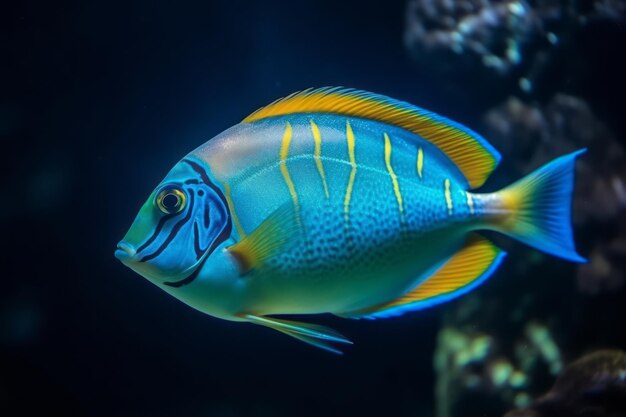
[[317, 137], [448, 196], [346, 200], [233, 213], [464, 147], [470, 202], [394, 178], [420, 161], [284, 151]]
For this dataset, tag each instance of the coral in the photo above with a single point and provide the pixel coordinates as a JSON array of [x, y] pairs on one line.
[[594, 385], [522, 40], [480, 33], [474, 369]]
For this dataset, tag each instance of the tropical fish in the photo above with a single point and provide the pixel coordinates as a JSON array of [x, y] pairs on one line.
[[339, 201]]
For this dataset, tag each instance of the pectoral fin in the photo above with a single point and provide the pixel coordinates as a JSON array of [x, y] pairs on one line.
[[464, 271], [273, 235], [313, 334]]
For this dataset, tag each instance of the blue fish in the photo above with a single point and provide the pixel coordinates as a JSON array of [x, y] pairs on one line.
[[339, 201]]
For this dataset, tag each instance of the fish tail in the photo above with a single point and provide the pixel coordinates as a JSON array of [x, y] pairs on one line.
[[536, 210]]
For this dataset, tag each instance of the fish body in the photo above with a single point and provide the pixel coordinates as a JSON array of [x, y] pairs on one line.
[[359, 221], [338, 201]]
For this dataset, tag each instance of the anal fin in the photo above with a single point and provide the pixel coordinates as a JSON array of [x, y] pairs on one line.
[[461, 273], [313, 334]]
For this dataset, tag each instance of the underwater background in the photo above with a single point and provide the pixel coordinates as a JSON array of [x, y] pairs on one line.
[[100, 99]]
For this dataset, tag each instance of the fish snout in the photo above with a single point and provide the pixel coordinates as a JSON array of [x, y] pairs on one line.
[[125, 251]]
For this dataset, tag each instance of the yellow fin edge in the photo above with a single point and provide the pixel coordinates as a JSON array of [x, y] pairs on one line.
[[468, 151], [466, 269]]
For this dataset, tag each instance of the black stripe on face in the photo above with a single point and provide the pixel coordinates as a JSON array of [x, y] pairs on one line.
[[196, 242], [156, 233], [200, 171], [222, 237], [224, 234], [207, 220], [173, 232], [190, 278], [205, 178]]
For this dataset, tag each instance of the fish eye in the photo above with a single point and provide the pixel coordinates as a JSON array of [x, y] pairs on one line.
[[171, 200]]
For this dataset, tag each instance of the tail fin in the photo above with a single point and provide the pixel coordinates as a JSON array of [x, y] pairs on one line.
[[537, 209]]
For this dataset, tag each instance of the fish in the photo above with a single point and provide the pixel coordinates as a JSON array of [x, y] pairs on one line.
[[341, 201]]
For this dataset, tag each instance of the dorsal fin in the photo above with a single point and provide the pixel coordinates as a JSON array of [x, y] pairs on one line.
[[464, 271], [468, 150]]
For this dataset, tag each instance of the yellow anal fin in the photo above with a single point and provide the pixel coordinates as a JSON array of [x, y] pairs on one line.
[[468, 150], [273, 235], [464, 271], [313, 334]]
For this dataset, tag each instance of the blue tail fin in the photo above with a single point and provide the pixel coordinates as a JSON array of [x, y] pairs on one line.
[[537, 209]]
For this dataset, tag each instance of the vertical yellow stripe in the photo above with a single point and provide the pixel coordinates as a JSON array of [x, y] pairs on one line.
[[448, 196], [420, 161], [470, 202], [346, 200], [317, 137], [394, 179], [233, 213], [284, 151]]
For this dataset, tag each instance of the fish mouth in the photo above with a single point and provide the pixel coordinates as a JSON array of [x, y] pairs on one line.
[[125, 251]]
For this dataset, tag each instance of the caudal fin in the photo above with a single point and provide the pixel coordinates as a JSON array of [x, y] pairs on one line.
[[537, 209]]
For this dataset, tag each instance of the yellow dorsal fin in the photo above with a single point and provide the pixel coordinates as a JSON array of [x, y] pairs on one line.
[[268, 239], [464, 271], [468, 151]]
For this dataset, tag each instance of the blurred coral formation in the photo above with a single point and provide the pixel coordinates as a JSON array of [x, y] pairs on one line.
[[496, 355], [594, 385], [486, 34], [503, 37], [469, 363]]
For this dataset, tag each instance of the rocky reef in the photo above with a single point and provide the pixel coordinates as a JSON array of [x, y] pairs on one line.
[[594, 385], [479, 370], [537, 76], [501, 41], [480, 34], [485, 372], [473, 369]]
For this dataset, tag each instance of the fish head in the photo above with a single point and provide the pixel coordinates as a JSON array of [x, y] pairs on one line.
[[183, 221]]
